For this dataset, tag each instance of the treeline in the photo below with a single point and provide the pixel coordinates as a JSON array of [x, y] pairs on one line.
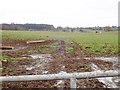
[[47, 27], [27, 27]]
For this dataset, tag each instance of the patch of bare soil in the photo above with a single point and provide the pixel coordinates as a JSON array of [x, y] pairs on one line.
[[61, 61]]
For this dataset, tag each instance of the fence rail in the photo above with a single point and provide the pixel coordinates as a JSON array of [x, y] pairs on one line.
[[71, 76]]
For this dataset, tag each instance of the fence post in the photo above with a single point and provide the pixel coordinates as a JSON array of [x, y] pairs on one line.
[[73, 83]]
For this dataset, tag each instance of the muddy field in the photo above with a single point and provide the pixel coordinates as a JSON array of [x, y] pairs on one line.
[[51, 57]]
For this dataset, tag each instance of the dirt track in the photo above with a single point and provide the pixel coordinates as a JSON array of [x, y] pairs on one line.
[[59, 61]]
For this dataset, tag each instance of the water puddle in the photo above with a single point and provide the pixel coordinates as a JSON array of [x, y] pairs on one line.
[[41, 56], [114, 60], [45, 72], [37, 67], [109, 59], [110, 82], [60, 83]]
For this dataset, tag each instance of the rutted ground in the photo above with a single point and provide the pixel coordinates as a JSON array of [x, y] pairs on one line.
[[49, 58]]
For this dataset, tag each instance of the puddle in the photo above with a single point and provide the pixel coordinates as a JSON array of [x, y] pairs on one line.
[[45, 72], [108, 81], [109, 59], [37, 67], [60, 83], [114, 60], [95, 67], [41, 56], [29, 68]]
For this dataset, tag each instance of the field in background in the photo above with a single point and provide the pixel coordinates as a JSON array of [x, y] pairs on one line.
[[105, 42], [62, 52]]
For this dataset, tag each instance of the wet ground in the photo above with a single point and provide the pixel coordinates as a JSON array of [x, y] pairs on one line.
[[51, 57]]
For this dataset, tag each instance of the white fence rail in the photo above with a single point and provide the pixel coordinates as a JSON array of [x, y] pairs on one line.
[[71, 76]]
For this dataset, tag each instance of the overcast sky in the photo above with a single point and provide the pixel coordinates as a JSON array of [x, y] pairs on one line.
[[72, 13]]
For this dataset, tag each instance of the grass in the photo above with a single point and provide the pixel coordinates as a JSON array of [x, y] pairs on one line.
[[5, 57], [106, 42], [69, 49]]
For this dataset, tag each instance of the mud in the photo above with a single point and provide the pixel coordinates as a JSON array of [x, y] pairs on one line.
[[50, 58], [108, 81]]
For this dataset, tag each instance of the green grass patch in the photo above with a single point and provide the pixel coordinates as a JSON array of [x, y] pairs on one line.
[[105, 42], [69, 50], [5, 57]]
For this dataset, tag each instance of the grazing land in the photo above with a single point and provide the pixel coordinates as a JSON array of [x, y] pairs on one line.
[[60, 52], [98, 43]]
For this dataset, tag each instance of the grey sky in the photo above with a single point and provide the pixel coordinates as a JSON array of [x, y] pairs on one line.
[[71, 13]]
